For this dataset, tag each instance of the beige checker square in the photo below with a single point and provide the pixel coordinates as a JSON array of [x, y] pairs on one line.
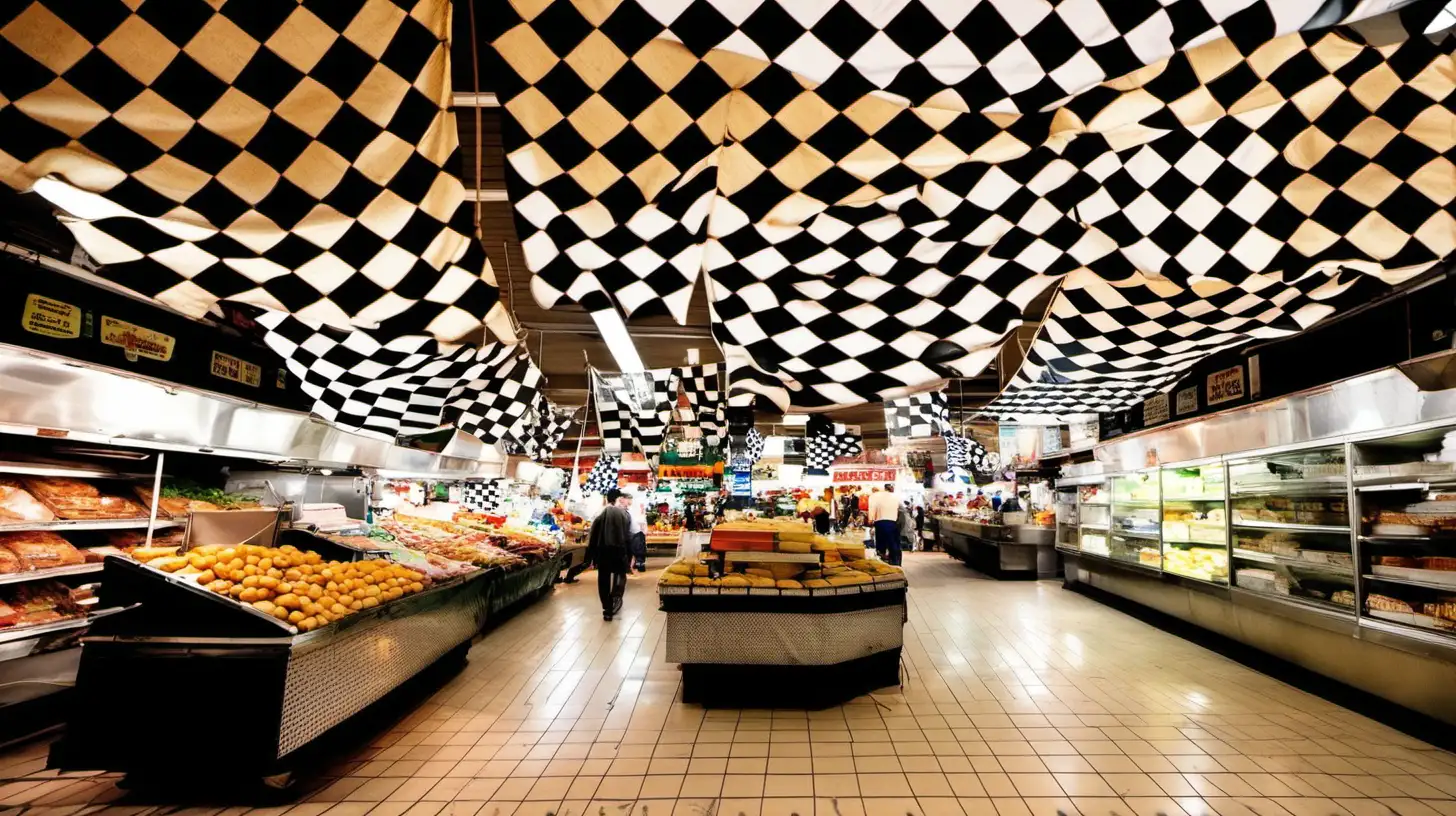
[[1434, 127], [536, 115], [302, 40], [805, 114], [139, 48], [173, 178], [46, 38], [526, 53], [373, 27], [1376, 86], [661, 122], [653, 175], [664, 62], [383, 157], [236, 117], [62, 107], [596, 59], [1370, 185], [1436, 180], [597, 121], [380, 94], [249, 177], [222, 47], [596, 173], [317, 170], [310, 106]]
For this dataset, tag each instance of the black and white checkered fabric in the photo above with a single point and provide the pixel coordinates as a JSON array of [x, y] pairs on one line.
[[957, 450], [704, 388], [484, 497], [603, 475], [634, 410], [294, 157], [891, 186], [1106, 346], [406, 385], [548, 425], [753, 444], [918, 416], [820, 450]]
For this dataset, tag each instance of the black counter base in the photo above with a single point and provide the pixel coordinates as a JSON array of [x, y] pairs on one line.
[[716, 685]]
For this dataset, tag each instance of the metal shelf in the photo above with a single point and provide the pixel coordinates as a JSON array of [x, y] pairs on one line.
[[12, 635], [1410, 582], [1326, 485], [62, 471], [1167, 499], [1254, 555], [1369, 487], [64, 525], [53, 572], [1139, 503], [1300, 563], [1101, 527], [1285, 525], [1133, 534]]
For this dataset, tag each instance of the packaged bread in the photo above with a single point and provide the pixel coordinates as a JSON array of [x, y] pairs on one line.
[[52, 487], [734, 581], [680, 569], [760, 582], [705, 582], [40, 549], [700, 571], [16, 504], [675, 579], [787, 584], [759, 571], [10, 562], [816, 583]]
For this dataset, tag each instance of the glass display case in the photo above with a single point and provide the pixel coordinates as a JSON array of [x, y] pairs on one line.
[[1093, 512], [1289, 527], [1406, 494], [1067, 515], [1136, 519], [1195, 522]]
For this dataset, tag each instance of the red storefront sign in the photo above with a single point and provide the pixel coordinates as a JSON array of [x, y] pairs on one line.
[[863, 474]]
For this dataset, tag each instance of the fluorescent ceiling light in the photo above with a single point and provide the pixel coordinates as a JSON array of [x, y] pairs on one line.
[[619, 342], [792, 420]]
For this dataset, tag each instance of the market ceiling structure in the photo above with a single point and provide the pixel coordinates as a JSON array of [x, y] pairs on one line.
[[857, 200]]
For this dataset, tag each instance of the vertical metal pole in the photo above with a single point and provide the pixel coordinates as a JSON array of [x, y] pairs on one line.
[[1352, 511], [156, 497]]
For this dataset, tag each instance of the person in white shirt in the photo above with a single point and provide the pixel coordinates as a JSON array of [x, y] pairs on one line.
[[638, 531], [884, 517]]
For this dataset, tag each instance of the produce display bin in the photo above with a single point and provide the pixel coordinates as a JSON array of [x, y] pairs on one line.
[[764, 646], [267, 692]]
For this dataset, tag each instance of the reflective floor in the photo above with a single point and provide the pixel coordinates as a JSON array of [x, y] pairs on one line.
[[1019, 698]]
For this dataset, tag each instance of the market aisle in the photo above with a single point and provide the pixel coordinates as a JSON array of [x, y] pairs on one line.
[[1020, 698]]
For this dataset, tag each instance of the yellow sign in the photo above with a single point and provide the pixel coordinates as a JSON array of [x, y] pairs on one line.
[[231, 368], [135, 340], [51, 318]]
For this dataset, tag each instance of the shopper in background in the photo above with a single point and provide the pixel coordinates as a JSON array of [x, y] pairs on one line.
[[607, 547], [906, 524], [920, 522], [638, 531], [884, 513], [820, 517], [996, 501]]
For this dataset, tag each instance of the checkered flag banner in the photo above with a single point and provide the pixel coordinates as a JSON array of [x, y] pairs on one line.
[[484, 497], [546, 428], [893, 185], [918, 416], [293, 157], [403, 386], [603, 475], [703, 386], [1105, 346], [957, 450], [634, 409], [753, 444], [820, 450]]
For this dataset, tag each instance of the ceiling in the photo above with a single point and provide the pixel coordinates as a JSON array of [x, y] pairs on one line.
[[563, 339]]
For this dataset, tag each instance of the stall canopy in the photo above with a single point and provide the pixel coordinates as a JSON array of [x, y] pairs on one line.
[[874, 194]]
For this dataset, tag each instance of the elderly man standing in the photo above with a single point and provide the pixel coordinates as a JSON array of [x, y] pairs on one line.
[[885, 517]]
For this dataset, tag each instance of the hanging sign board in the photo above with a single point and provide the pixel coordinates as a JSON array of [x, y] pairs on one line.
[[863, 474], [743, 483], [1187, 400], [1226, 385], [1155, 409]]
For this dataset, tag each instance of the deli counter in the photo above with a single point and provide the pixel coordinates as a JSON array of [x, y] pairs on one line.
[[1334, 552], [1000, 549]]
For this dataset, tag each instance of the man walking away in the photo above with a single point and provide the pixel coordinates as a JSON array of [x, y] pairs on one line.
[[906, 526], [884, 516], [608, 547], [638, 532]]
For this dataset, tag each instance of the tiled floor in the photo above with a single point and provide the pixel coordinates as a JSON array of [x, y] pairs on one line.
[[1020, 699]]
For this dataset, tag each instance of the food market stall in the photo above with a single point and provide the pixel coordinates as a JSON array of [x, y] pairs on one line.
[[1332, 549], [776, 614], [1000, 547]]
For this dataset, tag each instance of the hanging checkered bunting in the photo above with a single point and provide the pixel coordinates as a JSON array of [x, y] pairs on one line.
[[406, 385], [1106, 346], [879, 221], [546, 427], [484, 497], [957, 450], [634, 409], [753, 443], [821, 449], [603, 475], [918, 416], [704, 389], [294, 157]]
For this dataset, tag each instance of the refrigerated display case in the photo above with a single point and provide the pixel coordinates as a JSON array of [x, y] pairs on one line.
[[1067, 516], [1289, 527], [1094, 511], [1195, 521], [1406, 495], [1135, 526]]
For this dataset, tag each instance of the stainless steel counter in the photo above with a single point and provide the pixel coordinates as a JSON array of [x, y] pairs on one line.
[[1000, 548]]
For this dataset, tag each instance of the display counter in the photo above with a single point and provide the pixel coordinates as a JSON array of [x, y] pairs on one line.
[[1000, 550], [776, 616]]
